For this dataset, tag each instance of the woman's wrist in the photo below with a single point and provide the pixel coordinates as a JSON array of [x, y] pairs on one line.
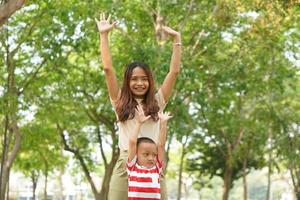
[[103, 34], [177, 44], [177, 38]]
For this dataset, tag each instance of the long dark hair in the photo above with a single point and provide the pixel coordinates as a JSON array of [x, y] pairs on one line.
[[126, 104]]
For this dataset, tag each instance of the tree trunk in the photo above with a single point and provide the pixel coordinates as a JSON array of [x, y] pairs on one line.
[[3, 161], [245, 179], [34, 179], [298, 195], [61, 187], [227, 177], [269, 196], [4, 180], [227, 181], [34, 184], [4, 154], [12, 132], [7, 191], [295, 175], [107, 177], [297, 189], [46, 181], [7, 166], [294, 170], [179, 189]]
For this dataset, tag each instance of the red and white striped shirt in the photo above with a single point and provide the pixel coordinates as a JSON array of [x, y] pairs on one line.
[[143, 183]]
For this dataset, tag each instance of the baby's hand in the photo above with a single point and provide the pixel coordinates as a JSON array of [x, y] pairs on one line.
[[141, 118], [164, 116]]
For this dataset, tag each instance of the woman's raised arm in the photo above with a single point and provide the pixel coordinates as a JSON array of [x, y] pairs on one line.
[[174, 69], [104, 27]]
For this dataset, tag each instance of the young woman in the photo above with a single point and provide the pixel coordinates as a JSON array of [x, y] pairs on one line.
[[137, 88]]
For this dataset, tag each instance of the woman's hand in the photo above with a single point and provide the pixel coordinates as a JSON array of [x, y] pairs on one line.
[[176, 35], [104, 25]]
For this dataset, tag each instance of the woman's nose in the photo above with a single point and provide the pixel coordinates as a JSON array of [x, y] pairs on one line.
[[140, 82]]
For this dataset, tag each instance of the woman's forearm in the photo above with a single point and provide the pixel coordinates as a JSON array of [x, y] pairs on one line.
[[105, 52], [176, 55]]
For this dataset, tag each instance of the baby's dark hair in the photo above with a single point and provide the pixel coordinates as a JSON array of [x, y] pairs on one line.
[[144, 140]]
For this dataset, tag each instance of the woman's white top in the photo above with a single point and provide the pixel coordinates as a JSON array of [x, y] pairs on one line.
[[149, 129]]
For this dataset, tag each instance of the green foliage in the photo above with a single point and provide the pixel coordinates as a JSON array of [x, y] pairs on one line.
[[235, 77]]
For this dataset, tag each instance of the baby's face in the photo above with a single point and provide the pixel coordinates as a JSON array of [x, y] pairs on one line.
[[147, 154]]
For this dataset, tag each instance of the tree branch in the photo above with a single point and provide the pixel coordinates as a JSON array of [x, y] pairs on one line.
[[17, 142], [64, 140], [9, 8], [238, 141], [101, 146], [197, 41], [25, 36], [182, 24], [31, 78], [206, 125], [94, 116], [79, 157], [150, 11]]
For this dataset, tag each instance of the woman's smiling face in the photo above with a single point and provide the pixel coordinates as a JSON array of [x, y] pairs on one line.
[[139, 83]]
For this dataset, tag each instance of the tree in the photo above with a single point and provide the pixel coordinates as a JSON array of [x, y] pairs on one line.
[[8, 7], [234, 63], [15, 93], [234, 106], [40, 152]]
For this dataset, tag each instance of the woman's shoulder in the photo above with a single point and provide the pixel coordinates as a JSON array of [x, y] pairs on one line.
[[160, 98]]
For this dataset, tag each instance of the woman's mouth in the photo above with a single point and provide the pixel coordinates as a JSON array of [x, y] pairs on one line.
[[139, 89]]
